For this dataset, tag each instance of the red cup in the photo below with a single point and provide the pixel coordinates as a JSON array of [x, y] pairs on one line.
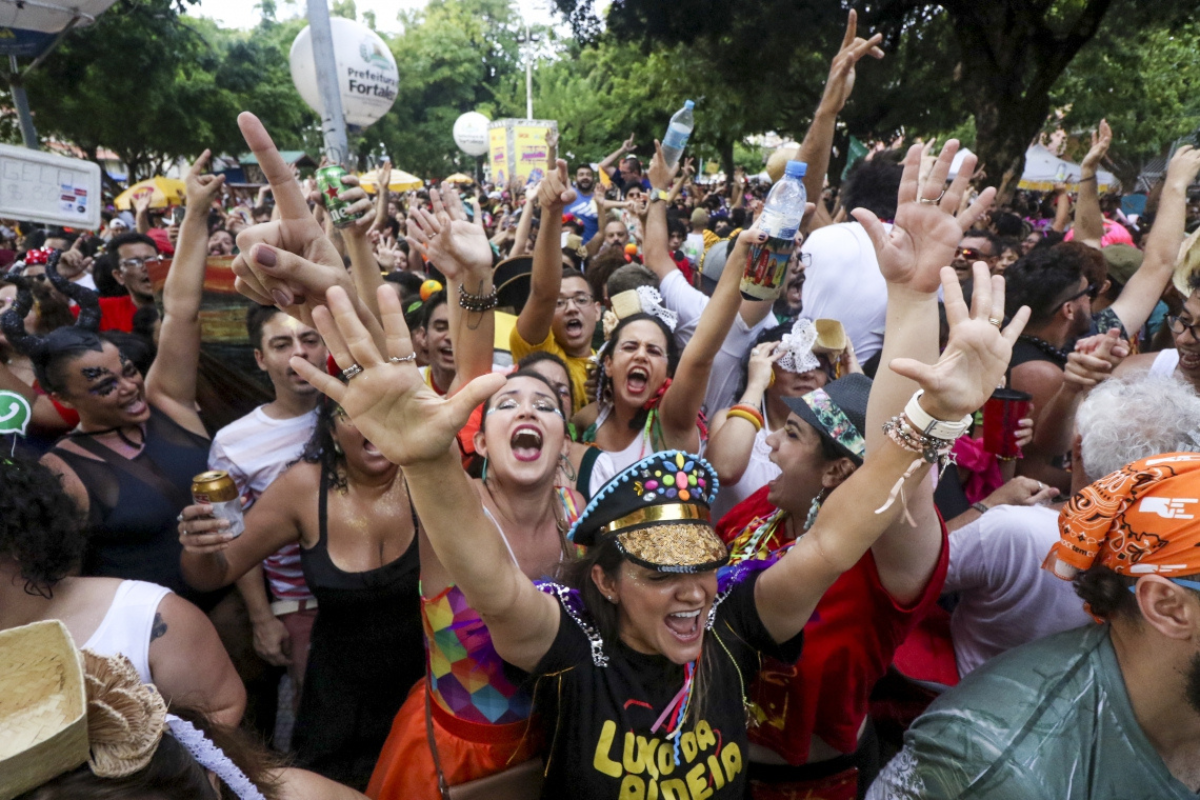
[[1001, 413]]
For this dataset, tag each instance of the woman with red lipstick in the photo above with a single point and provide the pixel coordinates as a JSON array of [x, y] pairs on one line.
[[129, 463], [477, 715], [348, 508]]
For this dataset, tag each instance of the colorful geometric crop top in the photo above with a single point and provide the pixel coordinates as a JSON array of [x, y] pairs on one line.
[[466, 674]]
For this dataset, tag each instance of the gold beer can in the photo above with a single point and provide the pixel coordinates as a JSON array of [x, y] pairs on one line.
[[217, 489]]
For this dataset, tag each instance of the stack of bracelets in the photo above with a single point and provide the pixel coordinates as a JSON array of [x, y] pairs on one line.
[[478, 303], [916, 431], [748, 413]]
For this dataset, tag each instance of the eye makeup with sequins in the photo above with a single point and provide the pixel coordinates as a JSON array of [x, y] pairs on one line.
[[107, 385]]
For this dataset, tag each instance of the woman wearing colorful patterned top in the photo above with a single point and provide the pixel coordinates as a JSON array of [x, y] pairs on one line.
[[477, 715]]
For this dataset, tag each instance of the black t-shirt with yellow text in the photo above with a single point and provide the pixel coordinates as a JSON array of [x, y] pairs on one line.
[[599, 718]]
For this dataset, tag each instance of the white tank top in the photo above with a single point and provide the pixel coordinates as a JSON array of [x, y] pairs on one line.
[[1165, 362], [126, 627]]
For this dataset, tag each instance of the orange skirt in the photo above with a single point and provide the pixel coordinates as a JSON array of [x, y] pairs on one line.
[[468, 750]]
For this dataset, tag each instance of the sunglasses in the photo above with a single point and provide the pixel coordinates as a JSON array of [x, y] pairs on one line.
[[1091, 291]]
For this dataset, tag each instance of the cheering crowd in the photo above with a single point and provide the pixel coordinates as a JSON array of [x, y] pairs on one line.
[[540, 504]]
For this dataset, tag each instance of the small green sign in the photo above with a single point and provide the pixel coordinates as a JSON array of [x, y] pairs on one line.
[[14, 413]]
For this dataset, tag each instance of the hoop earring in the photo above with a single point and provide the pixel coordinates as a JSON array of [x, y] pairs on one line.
[[567, 467]]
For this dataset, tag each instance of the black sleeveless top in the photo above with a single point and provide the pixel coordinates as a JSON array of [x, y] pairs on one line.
[[367, 651], [132, 526]]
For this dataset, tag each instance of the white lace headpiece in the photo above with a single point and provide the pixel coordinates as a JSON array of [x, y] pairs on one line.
[[797, 348], [643, 300]]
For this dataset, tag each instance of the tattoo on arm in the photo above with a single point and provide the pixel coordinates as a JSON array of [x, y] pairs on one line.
[[159, 628]]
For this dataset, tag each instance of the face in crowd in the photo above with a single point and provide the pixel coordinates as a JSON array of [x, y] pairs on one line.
[[575, 316]]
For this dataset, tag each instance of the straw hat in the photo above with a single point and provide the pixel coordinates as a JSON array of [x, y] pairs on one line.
[[43, 706], [1187, 266], [778, 160]]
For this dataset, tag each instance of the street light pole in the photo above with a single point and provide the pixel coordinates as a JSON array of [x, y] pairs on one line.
[[333, 121]]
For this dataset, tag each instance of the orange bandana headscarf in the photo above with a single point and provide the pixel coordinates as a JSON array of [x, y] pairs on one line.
[[1141, 520]]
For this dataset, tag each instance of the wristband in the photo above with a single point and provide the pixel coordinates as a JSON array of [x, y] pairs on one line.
[[748, 413], [924, 422], [658, 194], [478, 303], [981, 508]]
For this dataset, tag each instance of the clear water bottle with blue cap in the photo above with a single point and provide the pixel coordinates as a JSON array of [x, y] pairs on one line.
[[681, 127], [780, 221]]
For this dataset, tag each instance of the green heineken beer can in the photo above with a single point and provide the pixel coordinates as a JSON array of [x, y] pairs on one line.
[[329, 183]]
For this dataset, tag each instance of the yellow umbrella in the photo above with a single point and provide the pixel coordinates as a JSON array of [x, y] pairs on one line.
[[400, 181], [458, 177], [163, 192]]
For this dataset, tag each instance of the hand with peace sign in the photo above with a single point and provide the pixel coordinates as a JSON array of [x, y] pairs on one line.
[[289, 262]]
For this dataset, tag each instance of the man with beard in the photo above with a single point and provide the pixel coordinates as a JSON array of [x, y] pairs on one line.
[[255, 450], [584, 207], [1103, 711], [1053, 282], [133, 254]]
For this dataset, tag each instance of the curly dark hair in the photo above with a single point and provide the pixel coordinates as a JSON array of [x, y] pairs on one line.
[[41, 528]]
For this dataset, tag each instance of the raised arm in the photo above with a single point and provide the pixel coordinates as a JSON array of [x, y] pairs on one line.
[[684, 397], [289, 262], [413, 427], [554, 193], [520, 245], [910, 256], [657, 256], [1137, 300], [731, 441], [364, 269], [1089, 222], [171, 382], [611, 159], [459, 249], [189, 664], [870, 501], [381, 199]]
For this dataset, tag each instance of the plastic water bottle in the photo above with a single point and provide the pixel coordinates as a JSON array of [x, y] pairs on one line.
[[678, 132], [767, 264]]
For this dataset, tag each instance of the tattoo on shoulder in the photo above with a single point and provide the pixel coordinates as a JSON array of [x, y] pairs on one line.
[[159, 628]]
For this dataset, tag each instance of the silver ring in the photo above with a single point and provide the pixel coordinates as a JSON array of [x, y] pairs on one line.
[[180, 517], [351, 372], [405, 360], [935, 200], [997, 322]]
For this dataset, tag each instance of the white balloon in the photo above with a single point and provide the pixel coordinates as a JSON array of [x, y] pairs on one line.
[[471, 133], [366, 69]]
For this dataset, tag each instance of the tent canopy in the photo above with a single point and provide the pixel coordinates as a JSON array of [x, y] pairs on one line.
[[1043, 170]]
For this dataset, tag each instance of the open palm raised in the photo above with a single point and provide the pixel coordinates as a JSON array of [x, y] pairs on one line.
[[926, 233], [978, 352], [389, 401]]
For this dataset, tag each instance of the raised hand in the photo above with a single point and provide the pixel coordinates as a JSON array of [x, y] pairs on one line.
[[202, 189], [926, 231], [73, 262], [1094, 360], [554, 192], [840, 82], [288, 262], [359, 202], [447, 238], [762, 362], [389, 401], [659, 172], [1184, 166], [977, 354], [1101, 139], [630, 144]]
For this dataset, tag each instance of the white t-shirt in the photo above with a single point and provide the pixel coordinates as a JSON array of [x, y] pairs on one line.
[[843, 282], [87, 280], [689, 303], [255, 450], [1005, 597]]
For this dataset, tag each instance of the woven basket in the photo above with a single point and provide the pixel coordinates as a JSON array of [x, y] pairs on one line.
[[43, 706]]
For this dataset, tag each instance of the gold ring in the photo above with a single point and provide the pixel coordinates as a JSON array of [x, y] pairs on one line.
[[995, 321]]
